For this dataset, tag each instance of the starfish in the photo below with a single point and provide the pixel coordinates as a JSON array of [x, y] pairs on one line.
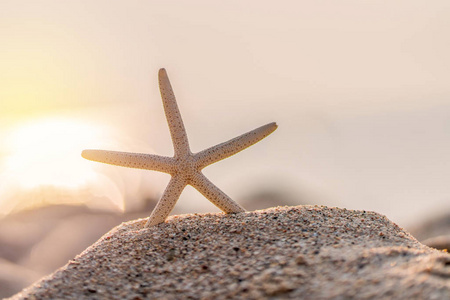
[[184, 167]]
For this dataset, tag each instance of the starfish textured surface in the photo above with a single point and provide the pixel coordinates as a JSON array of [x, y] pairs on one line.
[[184, 167]]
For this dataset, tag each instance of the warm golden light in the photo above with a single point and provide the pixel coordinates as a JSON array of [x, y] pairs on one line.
[[48, 153], [45, 165]]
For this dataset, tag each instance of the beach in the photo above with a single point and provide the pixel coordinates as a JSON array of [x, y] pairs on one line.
[[313, 252]]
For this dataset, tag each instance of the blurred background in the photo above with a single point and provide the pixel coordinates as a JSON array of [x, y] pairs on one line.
[[360, 91]]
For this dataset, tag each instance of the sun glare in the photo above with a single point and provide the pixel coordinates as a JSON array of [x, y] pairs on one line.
[[46, 159], [48, 153]]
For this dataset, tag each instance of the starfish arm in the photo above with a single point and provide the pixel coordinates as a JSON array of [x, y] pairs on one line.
[[233, 146], [215, 195], [131, 160], [176, 126], [167, 201]]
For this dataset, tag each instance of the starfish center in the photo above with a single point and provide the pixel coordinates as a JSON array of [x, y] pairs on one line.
[[186, 168]]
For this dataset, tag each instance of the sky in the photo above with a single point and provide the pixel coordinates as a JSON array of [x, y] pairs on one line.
[[360, 91]]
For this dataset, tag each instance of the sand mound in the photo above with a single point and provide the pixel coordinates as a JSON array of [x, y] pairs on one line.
[[307, 252]]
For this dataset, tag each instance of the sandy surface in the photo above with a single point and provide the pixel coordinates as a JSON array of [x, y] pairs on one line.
[[308, 252]]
